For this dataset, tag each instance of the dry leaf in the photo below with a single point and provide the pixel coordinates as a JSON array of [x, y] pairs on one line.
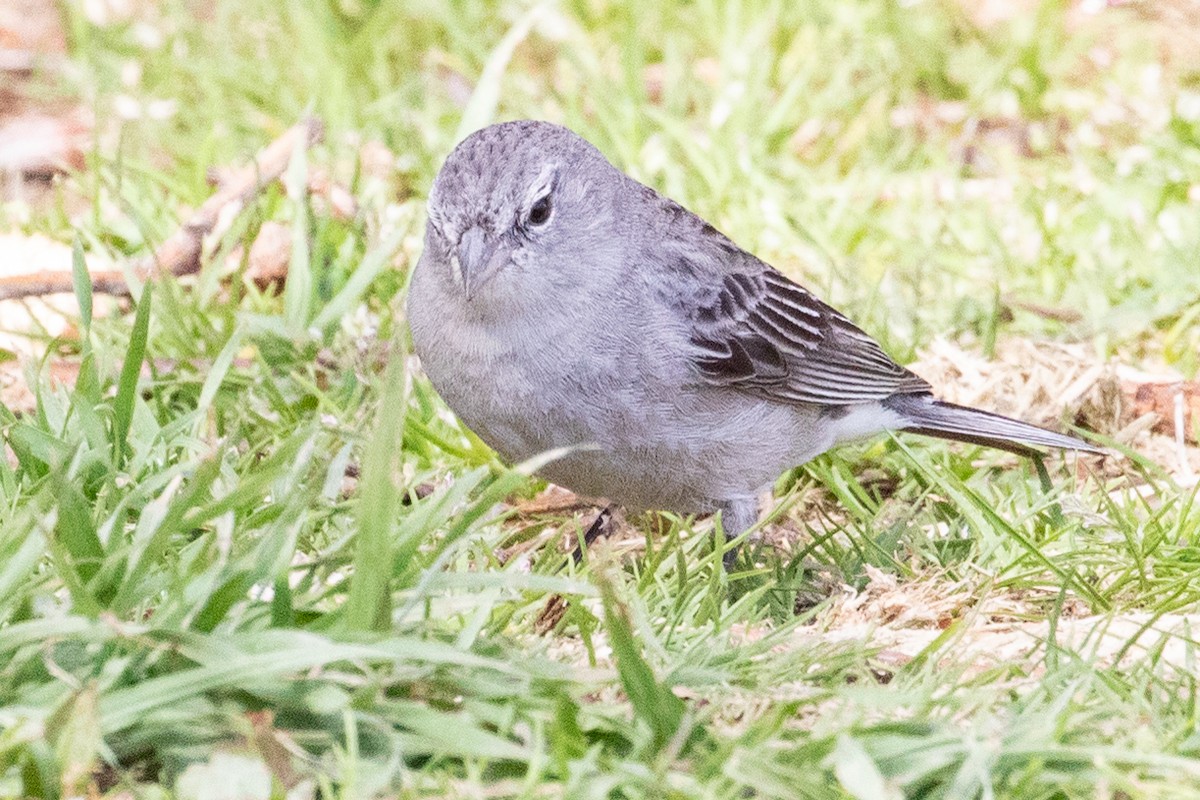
[[331, 197], [270, 255], [1175, 403]]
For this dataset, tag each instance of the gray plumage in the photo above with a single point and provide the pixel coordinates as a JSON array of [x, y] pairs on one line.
[[560, 303]]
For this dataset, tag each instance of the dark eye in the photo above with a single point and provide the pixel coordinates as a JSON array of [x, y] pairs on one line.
[[539, 214]]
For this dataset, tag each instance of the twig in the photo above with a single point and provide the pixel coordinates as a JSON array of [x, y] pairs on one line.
[[40, 283], [1067, 315], [180, 254]]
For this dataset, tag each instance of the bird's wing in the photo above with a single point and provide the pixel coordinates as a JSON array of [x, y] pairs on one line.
[[754, 329]]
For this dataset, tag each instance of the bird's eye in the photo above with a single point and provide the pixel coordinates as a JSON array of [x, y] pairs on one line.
[[539, 213]]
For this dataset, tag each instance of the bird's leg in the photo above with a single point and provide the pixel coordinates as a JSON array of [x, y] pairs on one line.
[[556, 605], [736, 517], [601, 526]]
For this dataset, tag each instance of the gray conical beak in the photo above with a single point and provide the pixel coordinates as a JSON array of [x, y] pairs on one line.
[[479, 258]]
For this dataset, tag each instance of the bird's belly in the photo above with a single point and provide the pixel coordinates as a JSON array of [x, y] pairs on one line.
[[688, 463], [664, 453], [655, 443]]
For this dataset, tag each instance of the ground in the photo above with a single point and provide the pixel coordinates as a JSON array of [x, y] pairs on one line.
[[246, 551]]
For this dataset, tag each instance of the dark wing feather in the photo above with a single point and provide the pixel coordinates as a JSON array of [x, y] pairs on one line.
[[756, 330]]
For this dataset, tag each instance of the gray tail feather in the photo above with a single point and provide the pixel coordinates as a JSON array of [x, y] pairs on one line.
[[931, 417]]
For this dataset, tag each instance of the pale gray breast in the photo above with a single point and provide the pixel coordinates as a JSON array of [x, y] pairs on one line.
[[525, 383]]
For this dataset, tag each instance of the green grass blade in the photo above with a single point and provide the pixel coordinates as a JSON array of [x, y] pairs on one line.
[[298, 291], [77, 530], [215, 378], [368, 604], [83, 286], [372, 265], [481, 108], [236, 665], [127, 383], [653, 701]]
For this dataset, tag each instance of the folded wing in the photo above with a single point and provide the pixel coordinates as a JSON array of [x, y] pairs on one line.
[[761, 332]]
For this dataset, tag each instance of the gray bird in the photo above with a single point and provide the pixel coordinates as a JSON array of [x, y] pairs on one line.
[[559, 303]]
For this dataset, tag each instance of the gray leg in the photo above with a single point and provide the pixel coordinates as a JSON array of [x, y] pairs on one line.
[[601, 526], [736, 516]]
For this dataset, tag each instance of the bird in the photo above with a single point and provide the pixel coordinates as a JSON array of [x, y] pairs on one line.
[[561, 305]]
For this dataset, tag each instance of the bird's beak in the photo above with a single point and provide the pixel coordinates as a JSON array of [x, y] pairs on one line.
[[480, 257]]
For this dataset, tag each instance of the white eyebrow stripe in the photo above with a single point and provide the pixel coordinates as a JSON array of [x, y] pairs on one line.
[[543, 185]]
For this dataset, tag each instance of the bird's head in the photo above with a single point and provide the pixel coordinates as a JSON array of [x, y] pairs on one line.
[[516, 205]]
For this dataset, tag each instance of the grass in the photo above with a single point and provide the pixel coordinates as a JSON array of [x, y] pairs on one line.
[[250, 548]]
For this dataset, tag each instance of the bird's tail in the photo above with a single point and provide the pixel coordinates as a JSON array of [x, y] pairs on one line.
[[929, 416]]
